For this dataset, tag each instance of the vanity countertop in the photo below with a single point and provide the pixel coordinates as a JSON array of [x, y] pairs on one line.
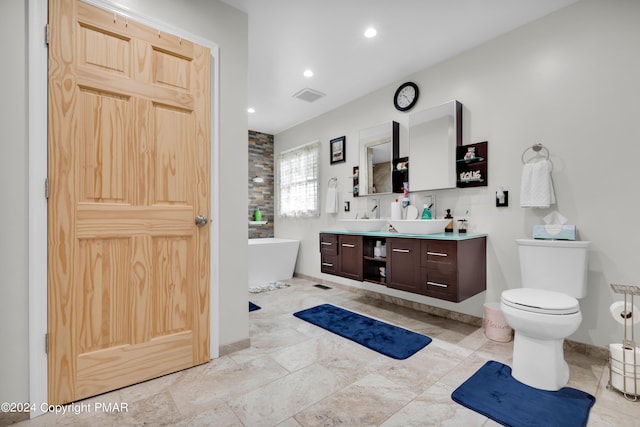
[[436, 236]]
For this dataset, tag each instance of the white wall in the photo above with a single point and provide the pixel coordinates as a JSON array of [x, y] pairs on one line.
[[570, 81], [14, 355], [208, 19]]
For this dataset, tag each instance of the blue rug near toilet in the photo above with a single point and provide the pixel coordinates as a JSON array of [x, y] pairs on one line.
[[493, 392], [253, 307], [384, 338]]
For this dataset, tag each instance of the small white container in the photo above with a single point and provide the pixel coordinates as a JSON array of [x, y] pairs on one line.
[[396, 210]]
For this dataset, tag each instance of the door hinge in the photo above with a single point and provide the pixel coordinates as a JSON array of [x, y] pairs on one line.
[[46, 34], [46, 188], [46, 343]]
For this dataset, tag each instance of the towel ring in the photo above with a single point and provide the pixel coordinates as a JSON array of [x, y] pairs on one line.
[[537, 148], [333, 181]]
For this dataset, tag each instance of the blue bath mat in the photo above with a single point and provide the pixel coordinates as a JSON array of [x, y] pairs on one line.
[[493, 392], [253, 307], [384, 338]]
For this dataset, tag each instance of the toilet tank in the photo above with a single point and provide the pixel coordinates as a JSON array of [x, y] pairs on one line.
[[554, 265]]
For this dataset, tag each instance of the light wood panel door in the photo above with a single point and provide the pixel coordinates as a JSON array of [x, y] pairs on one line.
[[129, 141]]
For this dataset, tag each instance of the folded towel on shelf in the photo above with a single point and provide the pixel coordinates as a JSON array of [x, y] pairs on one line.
[[536, 189], [332, 200]]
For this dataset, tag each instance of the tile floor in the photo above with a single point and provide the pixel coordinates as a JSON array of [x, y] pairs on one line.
[[296, 374]]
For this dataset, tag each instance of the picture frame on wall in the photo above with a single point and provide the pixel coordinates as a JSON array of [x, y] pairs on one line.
[[337, 149]]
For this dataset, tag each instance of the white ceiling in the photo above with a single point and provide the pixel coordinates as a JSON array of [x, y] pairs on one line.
[[288, 36]]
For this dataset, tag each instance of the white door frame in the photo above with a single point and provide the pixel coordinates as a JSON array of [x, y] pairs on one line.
[[37, 153]]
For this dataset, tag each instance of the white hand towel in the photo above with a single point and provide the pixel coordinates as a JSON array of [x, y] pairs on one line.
[[332, 200], [536, 190]]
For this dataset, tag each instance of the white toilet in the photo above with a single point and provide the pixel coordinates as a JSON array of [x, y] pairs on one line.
[[545, 310]]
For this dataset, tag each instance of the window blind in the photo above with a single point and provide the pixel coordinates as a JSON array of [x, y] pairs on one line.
[[297, 180]]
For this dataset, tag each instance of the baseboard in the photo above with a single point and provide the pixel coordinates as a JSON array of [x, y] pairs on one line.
[[235, 346], [577, 347], [587, 349]]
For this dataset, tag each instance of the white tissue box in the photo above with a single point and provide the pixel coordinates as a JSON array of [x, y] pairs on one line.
[[554, 231]]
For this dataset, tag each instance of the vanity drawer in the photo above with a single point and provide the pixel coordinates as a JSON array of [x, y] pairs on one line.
[[439, 285], [328, 263], [439, 253], [328, 244]]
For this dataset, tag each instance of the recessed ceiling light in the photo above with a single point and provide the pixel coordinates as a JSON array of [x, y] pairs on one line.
[[251, 110], [308, 73], [370, 32]]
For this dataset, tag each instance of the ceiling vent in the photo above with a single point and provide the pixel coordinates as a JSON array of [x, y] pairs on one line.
[[308, 95]]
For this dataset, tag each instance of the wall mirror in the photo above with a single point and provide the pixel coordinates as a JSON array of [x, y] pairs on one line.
[[377, 147], [434, 135]]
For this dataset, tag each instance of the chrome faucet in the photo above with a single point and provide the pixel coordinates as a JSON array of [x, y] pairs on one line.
[[376, 208]]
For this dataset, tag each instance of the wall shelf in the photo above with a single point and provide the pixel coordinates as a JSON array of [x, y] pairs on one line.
[[472, 160], [466, 181], [471, 165], [399, 176]]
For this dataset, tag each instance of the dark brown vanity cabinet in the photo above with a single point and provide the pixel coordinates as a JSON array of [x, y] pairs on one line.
[[403, 264], [453, 270], [449, 269]]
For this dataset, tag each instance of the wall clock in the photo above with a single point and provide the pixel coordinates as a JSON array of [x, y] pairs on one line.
[[406, 96]]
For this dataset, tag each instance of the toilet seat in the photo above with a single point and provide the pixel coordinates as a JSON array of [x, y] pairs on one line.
[[540, 301]]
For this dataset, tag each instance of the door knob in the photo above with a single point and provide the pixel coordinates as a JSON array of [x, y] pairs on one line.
[[201, 220]]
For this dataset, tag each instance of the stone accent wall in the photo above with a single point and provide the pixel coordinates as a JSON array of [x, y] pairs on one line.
[[261, 194]]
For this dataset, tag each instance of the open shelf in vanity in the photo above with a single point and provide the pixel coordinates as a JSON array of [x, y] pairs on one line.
[[371, 264]]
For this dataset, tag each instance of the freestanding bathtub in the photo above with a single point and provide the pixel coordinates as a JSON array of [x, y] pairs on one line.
[[271, 259]]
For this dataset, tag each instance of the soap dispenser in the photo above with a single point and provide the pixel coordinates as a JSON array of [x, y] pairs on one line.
[[426, 211], [257, 215], [449, 227]]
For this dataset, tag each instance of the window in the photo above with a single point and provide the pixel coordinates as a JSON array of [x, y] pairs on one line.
[[297, 180]]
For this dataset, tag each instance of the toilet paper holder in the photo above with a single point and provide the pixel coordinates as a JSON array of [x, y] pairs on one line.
[[623, 373]]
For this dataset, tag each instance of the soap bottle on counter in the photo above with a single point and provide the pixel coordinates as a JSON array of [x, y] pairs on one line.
[[426, 212], [449, 227]]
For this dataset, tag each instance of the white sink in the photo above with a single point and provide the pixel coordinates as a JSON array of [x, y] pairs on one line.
[[363, 225], [419, 226]]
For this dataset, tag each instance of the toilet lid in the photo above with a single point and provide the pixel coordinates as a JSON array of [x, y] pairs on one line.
[[540, 301]]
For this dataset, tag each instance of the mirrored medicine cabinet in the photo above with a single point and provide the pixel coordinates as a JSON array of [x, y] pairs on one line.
[[377, 146], [434, 135]]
